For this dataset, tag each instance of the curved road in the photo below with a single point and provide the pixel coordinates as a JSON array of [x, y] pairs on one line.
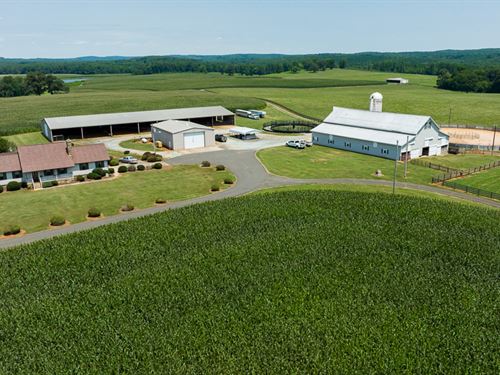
[[251, 176]]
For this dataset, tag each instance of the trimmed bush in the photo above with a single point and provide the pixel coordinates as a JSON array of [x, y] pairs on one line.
[[141, 167], [24, 184], [13, 186], [228, 181], [1, 188], [94, 176], [215, 187], [11, 230], [114, 162], [57, 221], [55, 183], [157, 165], [127, 207], [131, 168], [48, 184], [205, 163], [146, 156], [160, 201], [94, 212], [99, 171], [220, 167], [126, 152], [122, 169], [154, 158], [80, 178], [111, 170]]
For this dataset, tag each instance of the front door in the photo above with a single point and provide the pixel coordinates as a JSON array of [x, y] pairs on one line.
[[35, 177]]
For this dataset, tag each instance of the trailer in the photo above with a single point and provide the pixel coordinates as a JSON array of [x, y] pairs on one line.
[[246, 114]]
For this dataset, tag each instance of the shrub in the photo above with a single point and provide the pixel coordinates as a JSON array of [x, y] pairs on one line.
[[146, 155], [122, 169], [57, 220], [215, 187], [160, 200], [99, 171], [48, 184], [11, 230], [111, 170], [94, 176], [154, 158], [205, 163], [24, 184], [220, 167], [126, 152], [13, 186], [94, 212], [228, 181], [114, 162], [1, 188], [128, 207], [157, 166], [131, 168], [55, 183], [80, 178], [141, 167]]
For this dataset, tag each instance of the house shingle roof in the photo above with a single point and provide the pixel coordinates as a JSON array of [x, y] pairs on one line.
[[45, 156], [9, 162], [89, 153]]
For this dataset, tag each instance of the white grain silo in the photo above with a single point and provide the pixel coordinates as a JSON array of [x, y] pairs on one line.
[[376, 102]]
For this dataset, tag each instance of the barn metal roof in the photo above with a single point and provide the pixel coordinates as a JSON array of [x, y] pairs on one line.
[[369, 135], [135, 117], [385, 121], [176, 126]]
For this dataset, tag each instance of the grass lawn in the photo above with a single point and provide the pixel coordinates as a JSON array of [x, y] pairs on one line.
[[488, 180], [463, 161], [326, 162], [292, 282], [33, 209], [134, 145], [27, 138]]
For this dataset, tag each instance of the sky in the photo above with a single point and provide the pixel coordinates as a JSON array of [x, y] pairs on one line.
[[70, 28]]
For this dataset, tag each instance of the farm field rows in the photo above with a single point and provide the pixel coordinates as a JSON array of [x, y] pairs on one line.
[[32, 210], [374, 283]]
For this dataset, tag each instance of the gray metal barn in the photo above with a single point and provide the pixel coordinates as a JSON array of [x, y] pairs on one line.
[[182, 135], [108, 124]]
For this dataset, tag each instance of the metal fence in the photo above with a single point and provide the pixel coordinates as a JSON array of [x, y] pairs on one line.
[[464, 172], [472, 190], [428, 164]]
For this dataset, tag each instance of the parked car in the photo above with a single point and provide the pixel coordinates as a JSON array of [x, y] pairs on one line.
[[296, 144], [220, 138], [307, 143], [129, 160]]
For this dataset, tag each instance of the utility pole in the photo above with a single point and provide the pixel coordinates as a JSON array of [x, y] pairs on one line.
[[493, 144], [406, 154], [395, 168]]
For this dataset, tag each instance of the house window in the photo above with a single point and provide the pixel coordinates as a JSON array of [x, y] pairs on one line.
[[48, 172], [17, 174], [99, 164], [384, 151], [84, 166], [365, 147], [62, 171], [331, 140], [347, 144], [3, 176]]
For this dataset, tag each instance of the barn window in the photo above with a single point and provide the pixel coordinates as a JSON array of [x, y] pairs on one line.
[[365, 147], [347, 144], [316, 138], [385, 151], [331, 140]]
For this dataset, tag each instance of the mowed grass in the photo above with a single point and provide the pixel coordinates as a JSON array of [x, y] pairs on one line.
[[275, 283], [135, 145], [487, 180], [326, 162], [27, 138], [463, 161], [32, 210]]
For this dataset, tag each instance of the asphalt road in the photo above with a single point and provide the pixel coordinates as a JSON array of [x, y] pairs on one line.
[[251, 176]]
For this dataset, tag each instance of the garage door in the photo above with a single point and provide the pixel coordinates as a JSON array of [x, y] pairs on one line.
[[194, 140]]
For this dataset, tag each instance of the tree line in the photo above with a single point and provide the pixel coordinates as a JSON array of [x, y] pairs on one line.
[[470, 80], [34, 83]]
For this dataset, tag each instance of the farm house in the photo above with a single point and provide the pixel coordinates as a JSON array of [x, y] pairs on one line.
[[109, 124], [182, 135], [383, 134]]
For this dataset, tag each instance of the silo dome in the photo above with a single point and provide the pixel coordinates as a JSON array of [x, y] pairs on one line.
[[376, 96], [376, 102]]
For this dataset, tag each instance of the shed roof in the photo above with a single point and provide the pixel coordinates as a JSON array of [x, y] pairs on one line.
[[44, 156], [369, 135], [242, 130], [9, 162], [177, 126], [386, 121], [135, 117], [89, 153]]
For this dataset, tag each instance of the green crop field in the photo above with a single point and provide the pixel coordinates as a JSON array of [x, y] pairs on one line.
[[32, 210], [326, 162], [367, 283], [488, 180]]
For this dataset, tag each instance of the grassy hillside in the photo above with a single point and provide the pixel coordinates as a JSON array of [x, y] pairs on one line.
[[368, 283]]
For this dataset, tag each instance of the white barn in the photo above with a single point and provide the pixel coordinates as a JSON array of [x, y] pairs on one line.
[[383, 134]]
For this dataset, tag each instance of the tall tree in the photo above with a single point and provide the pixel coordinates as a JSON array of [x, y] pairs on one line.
[[36, 82]]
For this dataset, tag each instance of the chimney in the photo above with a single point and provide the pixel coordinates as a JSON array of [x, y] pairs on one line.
[[376, 102], [69, 146]]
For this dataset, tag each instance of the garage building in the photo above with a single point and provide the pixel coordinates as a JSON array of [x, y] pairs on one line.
[[182, 135], [109, 124], [383, 134]]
